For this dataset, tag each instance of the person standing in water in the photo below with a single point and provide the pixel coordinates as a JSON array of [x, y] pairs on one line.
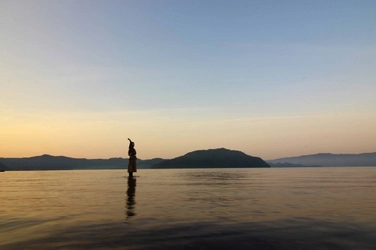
[[132, 158]]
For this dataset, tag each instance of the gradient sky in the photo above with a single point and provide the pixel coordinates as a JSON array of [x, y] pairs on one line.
[[269, 78]]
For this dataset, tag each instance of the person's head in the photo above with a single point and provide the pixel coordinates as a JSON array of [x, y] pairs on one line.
[[131, 145]]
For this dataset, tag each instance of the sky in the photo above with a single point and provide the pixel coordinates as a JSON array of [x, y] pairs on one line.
[[269, 78]]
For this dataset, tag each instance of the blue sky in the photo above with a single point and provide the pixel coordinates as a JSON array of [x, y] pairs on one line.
[[269, 78]]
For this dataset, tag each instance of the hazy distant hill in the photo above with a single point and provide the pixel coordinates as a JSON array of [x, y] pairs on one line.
[[214, 158], [49, 162], [328, 160]]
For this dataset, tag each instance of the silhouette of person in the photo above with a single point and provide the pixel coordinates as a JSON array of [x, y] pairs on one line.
[[131, 193], [132, 158]]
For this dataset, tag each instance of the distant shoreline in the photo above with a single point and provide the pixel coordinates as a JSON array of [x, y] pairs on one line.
[[215, 158]]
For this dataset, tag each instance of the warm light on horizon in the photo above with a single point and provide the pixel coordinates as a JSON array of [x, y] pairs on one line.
[[105, 136], [271, 81]]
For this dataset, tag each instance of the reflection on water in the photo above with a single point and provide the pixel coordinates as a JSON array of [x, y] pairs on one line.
[[217, 176], [313, 208], [130, 200]]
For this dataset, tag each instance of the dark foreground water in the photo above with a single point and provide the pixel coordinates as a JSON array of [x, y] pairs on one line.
[[299, 208]]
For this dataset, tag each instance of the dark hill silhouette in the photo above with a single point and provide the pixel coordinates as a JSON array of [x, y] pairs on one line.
[[49, 162], [3, 167], [214, 158], [331, 160], [148, 163]]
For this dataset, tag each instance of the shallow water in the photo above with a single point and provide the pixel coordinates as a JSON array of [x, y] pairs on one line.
[[294, 208]]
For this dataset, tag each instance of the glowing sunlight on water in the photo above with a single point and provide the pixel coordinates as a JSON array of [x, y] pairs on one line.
[[310, 208]]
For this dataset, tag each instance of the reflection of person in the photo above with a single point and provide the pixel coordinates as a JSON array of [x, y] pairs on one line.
[[132, 158], [131, 193]]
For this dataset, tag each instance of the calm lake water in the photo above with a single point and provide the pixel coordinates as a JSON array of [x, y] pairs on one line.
[[294, 208]]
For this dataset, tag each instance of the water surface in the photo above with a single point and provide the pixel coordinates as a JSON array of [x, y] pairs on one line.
[[295, 208]]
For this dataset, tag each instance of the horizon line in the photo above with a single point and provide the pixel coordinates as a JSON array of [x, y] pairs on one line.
[[119, 157]]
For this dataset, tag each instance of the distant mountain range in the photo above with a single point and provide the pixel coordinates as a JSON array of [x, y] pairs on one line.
[[330, 160], [49, 162], [212, 158]]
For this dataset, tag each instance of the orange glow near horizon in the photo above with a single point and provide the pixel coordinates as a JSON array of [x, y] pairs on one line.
[[266, 137], [79, 83]]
